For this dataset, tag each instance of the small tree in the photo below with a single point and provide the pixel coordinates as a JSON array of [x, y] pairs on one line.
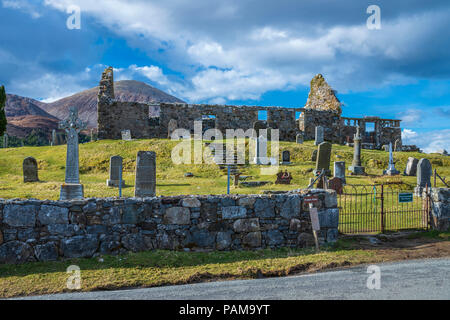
[[3, 120]]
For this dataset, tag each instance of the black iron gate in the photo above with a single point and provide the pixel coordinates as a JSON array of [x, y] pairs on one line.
[[382, 208]]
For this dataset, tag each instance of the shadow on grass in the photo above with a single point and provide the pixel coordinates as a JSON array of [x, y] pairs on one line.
[[151, 259]]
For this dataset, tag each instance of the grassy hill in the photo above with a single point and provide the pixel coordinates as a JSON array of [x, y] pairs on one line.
[[208, 178]]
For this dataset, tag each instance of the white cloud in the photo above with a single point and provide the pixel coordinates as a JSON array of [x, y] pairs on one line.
[[263, 44], [22, 5], [431, 141]]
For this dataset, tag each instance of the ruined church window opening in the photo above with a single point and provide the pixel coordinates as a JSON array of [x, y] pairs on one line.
[[262, 115], [297, 114], [370, 127]]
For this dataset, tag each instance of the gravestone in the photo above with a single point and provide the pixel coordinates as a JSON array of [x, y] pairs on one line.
[[319, 135], [5, 141], [286, 157], [30, 170], [356, 168], [92, 135], [126, 135], [411, 167], [115, 172], [260, 150], [53, 137], [424, 172], [336, 184], [299, 138], [145, 184], [314, 156], [323, 158], [72, 189], [391, 171], [339, 170], [283, 177], [171, 127]]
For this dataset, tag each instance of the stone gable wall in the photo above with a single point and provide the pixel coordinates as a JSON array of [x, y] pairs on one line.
[[38, 230]]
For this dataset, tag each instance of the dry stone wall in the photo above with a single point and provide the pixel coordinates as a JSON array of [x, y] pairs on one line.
[[36, 230], [440, 209]]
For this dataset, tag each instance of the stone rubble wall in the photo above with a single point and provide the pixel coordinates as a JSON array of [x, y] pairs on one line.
[[440, 209], [43, 230]]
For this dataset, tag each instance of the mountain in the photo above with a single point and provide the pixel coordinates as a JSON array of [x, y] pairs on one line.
[[86, 101], [25, 114]]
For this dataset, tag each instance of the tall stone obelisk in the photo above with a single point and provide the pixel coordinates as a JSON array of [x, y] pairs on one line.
[[72, 189], [356, 168], [391, 171]]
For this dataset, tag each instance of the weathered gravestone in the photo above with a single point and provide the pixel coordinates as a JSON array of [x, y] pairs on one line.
[[299, 138], [336, 184], [314, 156], [323, 158], [171, 127], [339, 170], [145, 184], [424, 172], [319, 135], [30, 170], [115, 172], [286, 157], [5, 141], [72, 189], [411, 167], [126, 135]]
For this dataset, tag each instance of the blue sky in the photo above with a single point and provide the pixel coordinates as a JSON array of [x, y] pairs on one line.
[[252, 52]]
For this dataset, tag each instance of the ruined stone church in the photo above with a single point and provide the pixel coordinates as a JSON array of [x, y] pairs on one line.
[[322, 108]]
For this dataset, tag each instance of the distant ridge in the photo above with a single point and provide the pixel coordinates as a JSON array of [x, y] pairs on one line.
[[125, 90], [25, 114]]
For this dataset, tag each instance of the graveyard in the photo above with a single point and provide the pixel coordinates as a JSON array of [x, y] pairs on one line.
[[94, 160]]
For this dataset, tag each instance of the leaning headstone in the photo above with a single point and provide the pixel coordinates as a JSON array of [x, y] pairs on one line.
[[126, 135], [356, 168], [391, 171], [171, 127], [72, 189], [411, 167], [299, 138], [145, 184], [319, 135], [115, 172], [424, 172], [323, 158], [286, 157], [30, 170], [339, 170]]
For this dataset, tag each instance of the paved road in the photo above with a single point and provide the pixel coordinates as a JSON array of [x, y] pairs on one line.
[[415, 279]]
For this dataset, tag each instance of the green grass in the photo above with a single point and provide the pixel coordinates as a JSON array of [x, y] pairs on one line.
[[162, 267], [208, 178]]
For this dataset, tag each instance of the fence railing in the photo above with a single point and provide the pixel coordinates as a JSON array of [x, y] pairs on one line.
[[381, 208]]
